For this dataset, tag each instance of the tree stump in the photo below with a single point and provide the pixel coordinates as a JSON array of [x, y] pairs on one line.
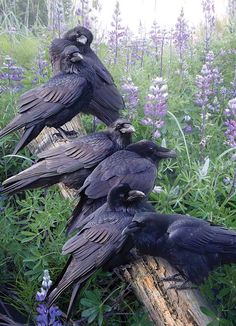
[[165, 307]]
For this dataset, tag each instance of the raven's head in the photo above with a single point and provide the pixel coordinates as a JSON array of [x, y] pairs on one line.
[[70, 57], [122, 196], [145, 232], [80, 35], [150, 150], [122, 131], [141, 222]]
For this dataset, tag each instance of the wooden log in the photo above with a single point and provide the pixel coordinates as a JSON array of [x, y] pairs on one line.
[[165, 307]]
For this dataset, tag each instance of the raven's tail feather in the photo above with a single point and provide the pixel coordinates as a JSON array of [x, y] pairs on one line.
[[14, 125], [28, 135], [73, 299]]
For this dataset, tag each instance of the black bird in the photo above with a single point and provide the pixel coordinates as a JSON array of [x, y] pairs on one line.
[[107, 100], [100, 243], [193, 246], [57, 101], [136, 166], [73, 162]]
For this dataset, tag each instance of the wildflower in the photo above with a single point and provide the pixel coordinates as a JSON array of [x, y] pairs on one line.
[[215, 79], [83, 11], [56, 17], [208, 8], [117, 33], [208, 88], [181, 36], [11, 75], [158, 37], [232, 107], [230, 132], [130, 94], [40, 68], [156, 106], [46, 316]]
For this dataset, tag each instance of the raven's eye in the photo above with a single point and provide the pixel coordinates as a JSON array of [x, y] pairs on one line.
[[118, 126]]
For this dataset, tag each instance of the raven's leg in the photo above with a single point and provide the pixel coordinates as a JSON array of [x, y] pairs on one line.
[[175, 277], [94, 124], [66, 134], [186, 285]]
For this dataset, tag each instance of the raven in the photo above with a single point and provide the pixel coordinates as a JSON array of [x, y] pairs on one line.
[[100, 241], [73, 162], [193, 246], [136, 166], [57, 101], [107, 100]]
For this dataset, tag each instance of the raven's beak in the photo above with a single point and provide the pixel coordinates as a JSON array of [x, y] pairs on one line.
[[133, 194], [76, 57], [82, 39], [131, 228], [167, 154], [127, 129]]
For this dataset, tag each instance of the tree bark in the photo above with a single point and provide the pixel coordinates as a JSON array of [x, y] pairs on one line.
[[165, 307]]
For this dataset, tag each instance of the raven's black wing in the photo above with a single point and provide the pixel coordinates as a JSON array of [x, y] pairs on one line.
[[86, 151], [91, 248], [121, 167], [202, 237], [60, 91]]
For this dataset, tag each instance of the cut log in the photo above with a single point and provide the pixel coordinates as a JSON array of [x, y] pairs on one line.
[[165, 307]]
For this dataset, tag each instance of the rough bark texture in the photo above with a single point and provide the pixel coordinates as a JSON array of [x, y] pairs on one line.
[[165, 307]]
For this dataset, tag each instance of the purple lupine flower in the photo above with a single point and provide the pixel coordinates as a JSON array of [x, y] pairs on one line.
[[155, 108], [181, 38], [46, 316], [232, 90], [231, 132], [56, 17], [158, 37], [155, 36], [83, 11], [208, 8], [231, 108], [230, 123], [130, 94], [117, 33], [40, 68], [188, 128], [11, 75], [139, 46], [208, 85], [126, 45]]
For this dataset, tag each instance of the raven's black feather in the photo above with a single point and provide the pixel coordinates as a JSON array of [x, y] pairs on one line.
[[73, 162], [107, 100], [193, 246], [136, 166], [100, 240]]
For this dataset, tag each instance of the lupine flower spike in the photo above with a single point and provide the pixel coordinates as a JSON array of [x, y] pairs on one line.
[[46, 316], [156, 106]]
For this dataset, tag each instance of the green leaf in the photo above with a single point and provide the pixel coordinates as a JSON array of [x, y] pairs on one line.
[[92, 317], [87, 302], [88, 312], [100, 319], [207, 312]]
